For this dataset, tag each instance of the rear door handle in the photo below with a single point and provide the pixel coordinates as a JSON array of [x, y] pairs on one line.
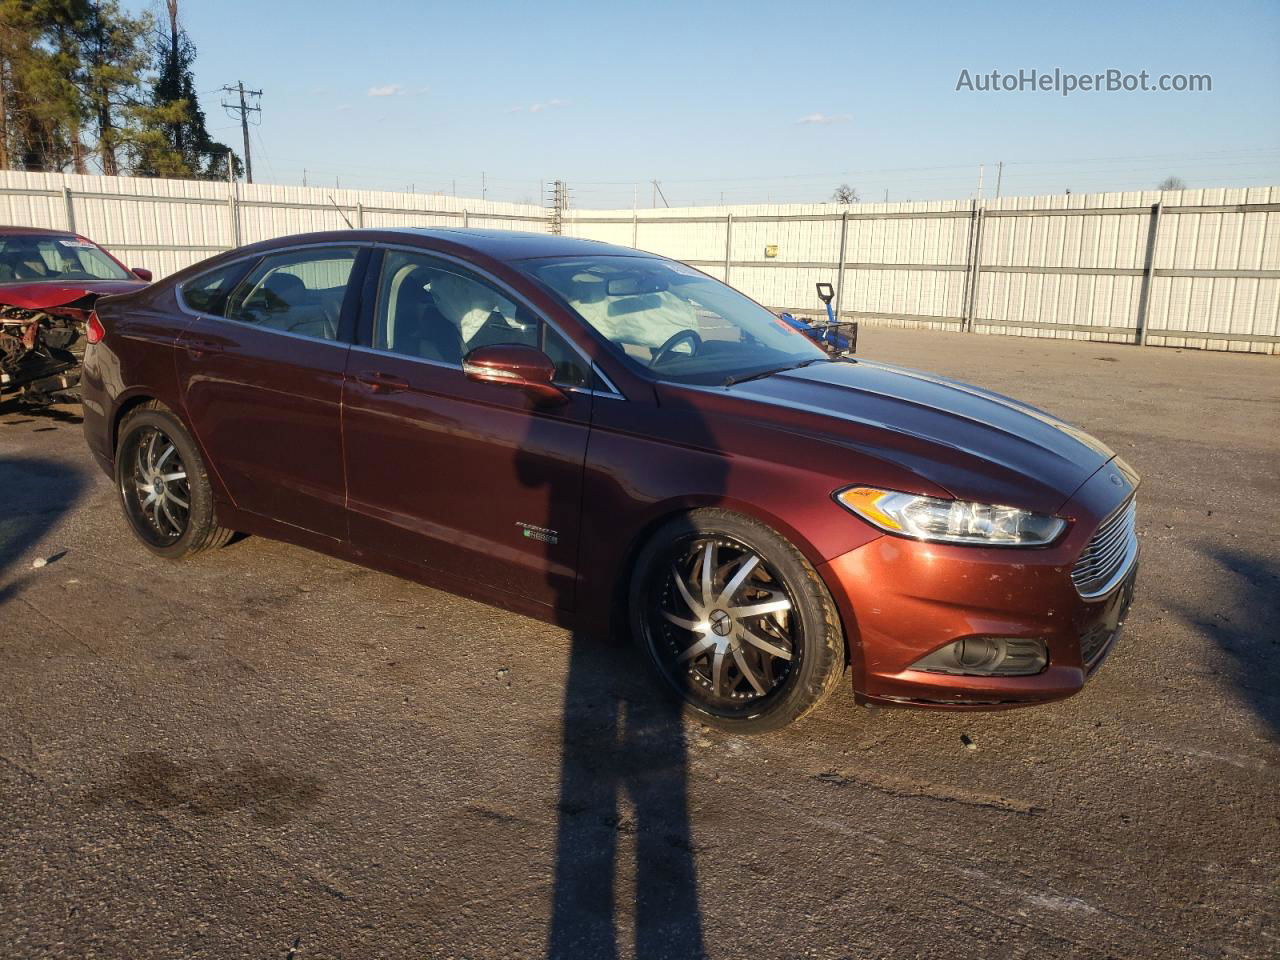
[[378, 382]]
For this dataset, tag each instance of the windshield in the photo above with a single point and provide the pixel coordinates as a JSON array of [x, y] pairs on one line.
[[676, 323], [29, 259]]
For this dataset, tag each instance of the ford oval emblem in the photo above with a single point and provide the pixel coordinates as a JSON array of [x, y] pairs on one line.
[[1115, 478]]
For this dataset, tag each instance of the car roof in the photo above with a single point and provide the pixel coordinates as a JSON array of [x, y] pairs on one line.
[[516, 245], [35, 231]]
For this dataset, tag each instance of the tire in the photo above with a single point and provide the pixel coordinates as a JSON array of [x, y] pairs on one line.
[[155, 454], [776, 633]]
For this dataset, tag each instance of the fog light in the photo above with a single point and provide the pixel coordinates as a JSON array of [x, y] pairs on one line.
[[987, 657]]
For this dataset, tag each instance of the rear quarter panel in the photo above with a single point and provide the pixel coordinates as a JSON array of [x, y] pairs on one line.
[[133, 362]]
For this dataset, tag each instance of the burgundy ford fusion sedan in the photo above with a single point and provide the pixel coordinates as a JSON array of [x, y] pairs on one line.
[[605, 438]]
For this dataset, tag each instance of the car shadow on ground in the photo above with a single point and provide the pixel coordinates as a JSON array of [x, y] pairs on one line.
[[38, 492], [28, 413], [1247, 629]]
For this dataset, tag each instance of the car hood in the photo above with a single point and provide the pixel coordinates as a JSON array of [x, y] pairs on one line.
[[976, 444], [53, 293]]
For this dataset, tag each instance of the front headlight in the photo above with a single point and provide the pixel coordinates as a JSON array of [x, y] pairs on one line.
[[950, 521]]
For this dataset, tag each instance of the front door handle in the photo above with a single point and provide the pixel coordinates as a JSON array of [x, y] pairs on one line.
[[378, 382], [198, 348]]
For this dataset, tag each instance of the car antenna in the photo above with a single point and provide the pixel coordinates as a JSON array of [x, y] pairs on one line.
[[340, 213]]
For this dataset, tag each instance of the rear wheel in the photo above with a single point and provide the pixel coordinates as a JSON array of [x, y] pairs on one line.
[[737, 622], [163, 486]]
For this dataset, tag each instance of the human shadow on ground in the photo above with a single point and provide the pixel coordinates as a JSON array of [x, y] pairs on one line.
[[623, 772]]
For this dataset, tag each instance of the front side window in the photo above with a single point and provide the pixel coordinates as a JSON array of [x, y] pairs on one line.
[[432, 310], [299, 292], [34, 259], [672, 321]]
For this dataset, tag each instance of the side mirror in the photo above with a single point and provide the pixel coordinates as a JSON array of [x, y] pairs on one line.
[[515, 365], [142, 273]]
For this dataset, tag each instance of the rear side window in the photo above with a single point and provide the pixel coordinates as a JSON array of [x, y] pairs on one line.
[[299, 292], [208, 293]]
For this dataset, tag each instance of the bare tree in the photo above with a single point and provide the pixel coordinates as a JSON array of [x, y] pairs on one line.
[[1172, 183], [845, 194]]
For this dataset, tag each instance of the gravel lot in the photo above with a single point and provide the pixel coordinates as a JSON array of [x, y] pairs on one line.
[[267, 750]]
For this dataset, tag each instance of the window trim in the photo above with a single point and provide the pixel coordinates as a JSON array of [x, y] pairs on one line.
[[372, 282], [351, 301]]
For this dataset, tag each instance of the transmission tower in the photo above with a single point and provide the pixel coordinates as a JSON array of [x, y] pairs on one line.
[[557, 202]]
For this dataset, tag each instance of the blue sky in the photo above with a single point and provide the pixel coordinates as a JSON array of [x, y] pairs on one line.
[[772, 101]]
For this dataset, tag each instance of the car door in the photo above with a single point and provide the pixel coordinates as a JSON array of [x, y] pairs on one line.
[[261, 365], [474, 480]]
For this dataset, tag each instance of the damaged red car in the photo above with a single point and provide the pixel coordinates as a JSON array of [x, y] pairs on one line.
[[49, 281]]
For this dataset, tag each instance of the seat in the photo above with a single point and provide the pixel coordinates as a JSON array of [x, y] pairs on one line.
[[418, 328], [290, 306]]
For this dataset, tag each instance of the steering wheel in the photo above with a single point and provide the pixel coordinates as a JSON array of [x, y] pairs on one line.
[[669, 346]]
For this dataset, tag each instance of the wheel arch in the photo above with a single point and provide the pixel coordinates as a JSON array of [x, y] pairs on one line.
[[664, 511], [126, 406], [142, 397]]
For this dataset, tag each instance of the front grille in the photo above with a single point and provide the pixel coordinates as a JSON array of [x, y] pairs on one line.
[[1108, 554]]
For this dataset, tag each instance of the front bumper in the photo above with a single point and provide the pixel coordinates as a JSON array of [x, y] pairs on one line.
[[902, 599]]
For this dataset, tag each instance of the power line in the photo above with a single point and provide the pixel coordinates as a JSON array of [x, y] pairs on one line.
[[243, 108]]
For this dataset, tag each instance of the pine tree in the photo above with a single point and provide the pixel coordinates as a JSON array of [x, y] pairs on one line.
[[115, 59], [40, 110], [183, 146]]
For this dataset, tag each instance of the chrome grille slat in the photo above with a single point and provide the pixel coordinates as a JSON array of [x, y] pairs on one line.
[[1108, 554]]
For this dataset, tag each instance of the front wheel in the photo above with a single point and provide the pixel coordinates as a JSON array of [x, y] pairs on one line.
[[163, 487], [736, 621]]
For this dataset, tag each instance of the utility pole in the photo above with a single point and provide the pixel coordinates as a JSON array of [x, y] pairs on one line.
[[981, 167], [657, 187], [244, 109], [484, 187]]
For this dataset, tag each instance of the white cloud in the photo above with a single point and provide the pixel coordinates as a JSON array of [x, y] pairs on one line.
[[540, 107], [386, 90], [824, 119]]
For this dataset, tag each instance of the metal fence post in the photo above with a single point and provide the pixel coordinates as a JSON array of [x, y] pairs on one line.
[[728, 244], [968, 263], [844, 242], [71, 212], [359, 215], [635, 230], [466, 220], [1148, 272], [975, 268], [231, 201]]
